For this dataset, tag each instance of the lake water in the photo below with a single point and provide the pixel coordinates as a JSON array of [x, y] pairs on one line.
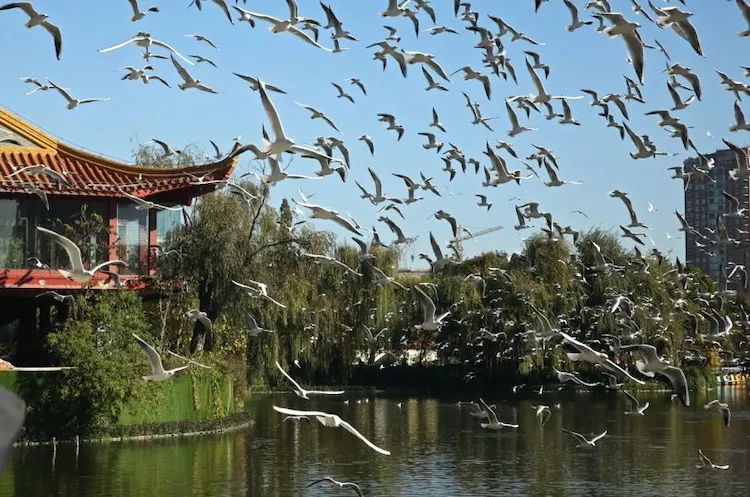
[[437, 448]]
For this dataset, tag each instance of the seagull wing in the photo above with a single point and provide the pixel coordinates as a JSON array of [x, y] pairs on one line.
[[294, 412], [271, 113], [56, 34], [633, 399], [178, 54], [490, 413], [435, 247], [62, 92], [598, 437], [635, 48], [153, 356], [305, 37], [345, 224], [119, 45], [679, 383], [378, 183], [428, 306], [647, 351], [578, 436], [357, 434], [298, 387], [74, 253], [182, 71]]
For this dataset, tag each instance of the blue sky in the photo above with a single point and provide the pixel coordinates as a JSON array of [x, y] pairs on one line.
[[590, 153]]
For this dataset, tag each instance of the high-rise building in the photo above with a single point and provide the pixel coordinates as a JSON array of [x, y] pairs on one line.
[[704, 202]]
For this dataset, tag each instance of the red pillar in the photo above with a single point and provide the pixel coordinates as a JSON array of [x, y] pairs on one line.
[[112, 236], [152, 242]]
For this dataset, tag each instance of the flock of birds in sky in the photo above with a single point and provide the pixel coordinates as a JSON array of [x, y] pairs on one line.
[[495, 38]]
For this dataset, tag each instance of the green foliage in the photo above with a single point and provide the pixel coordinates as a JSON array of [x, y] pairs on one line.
[[88, 230], [152, 155], [96, 340]]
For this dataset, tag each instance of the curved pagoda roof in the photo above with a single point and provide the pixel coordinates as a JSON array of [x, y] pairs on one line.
[[89, 175]]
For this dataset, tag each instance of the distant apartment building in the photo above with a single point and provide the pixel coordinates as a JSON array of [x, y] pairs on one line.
[[704, 202]]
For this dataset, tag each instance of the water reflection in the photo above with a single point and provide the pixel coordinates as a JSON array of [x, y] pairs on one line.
[[438, 449]]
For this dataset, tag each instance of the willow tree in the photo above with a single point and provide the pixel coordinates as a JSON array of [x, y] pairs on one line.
[[152, 155]]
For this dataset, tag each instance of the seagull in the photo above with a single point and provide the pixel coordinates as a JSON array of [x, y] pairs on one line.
[[651, 363], [301, 392], [37, 19], [277, 175], [67, 299], [342, 93], [368, 140], [427, 60], [316, 114], [583, 441], [392, 124], [201, 59], [202, 38], [470, 73], [144, 205], [722, 408], [331, 421], [634, 223], [431, 84], [431, 142], [639, 408], [370, 338], [483, 201], [144, 40], [200, 316], [279, 26], [328, 258], [255, 84], [705, 462], [319, 212], [554, 180], [429, 321], [74, 102], [37, 86], [77, 273], [586, 353], [259, 289], [188, 80], [629, 32], [39, 169], [436, 121], [357, 82], [341, 484], [517, 129], [139, 14], [542, 412], [677, 99], [158, 373], [567, 117], [680, 23], [575, 22], [542, 96], [11, 419], [564, 377], [492, 422], [739, 119], [168, 151], [745, 11], [521, 220]]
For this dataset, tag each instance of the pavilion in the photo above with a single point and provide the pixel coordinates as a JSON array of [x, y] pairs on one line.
[[93, 181]]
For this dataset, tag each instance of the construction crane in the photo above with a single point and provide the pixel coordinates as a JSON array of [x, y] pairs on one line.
[[457, 243]]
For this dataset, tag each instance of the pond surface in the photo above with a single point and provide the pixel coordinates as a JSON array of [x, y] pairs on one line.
[[437, 448]]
